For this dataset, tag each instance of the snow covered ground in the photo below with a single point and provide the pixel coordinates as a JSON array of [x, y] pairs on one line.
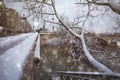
[[7, 40], [12, 60]]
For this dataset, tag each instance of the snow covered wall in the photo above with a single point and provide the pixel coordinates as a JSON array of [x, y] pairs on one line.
[[37, 49]]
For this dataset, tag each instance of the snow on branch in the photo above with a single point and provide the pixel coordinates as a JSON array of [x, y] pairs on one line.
[[113, 4], [90, 58]]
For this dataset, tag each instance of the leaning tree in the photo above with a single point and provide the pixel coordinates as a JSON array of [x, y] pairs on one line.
[[80, 36], [42, 9]]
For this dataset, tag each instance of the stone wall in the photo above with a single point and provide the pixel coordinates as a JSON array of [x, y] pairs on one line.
[[12, 22]]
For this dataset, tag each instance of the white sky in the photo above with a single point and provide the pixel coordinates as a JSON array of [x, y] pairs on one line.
[[68, 8]]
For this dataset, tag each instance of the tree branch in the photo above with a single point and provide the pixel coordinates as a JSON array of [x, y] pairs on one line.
[[102, 4], [90, 58]]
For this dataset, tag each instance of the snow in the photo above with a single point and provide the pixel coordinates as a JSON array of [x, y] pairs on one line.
[[65, 9], [53, 41], [1, 28], [56, 41], [37, 49], [115, 4], [54, 77], [118, 44], [7, 40], [18, 6], [87, 73], [13, 59], [0, 3], [92, 60]]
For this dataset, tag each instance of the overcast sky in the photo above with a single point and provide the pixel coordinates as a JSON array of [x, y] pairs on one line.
[[66, 7], [69, 9]]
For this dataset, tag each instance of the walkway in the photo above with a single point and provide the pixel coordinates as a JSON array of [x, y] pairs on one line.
[[13, 58]]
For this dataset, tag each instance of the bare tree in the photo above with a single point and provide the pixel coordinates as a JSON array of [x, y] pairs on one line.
[[52, 11], [113, 4], [91, 59], [80, 36]]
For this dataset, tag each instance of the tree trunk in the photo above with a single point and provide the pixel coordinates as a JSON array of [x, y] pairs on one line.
[[90, 58]]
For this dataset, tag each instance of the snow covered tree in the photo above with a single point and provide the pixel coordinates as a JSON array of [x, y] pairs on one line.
[[113, 4], [46, 8]]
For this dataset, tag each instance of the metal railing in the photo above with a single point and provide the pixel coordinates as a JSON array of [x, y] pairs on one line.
[[65, 75]]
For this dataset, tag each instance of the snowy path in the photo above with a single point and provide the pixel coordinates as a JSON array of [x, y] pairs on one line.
[[9, 42], [12, 60], [11, 38]]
